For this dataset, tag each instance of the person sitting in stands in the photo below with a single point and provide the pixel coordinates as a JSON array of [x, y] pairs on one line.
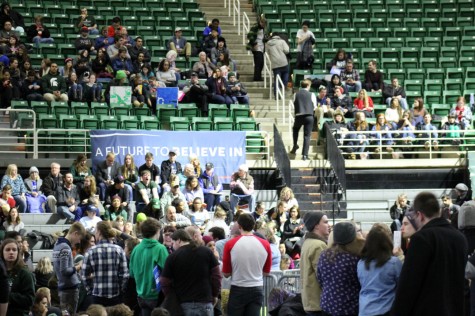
[[374, 79], [103, 41], [211, 186], [115, 209], [68, 199], [35, 199], [90, 220], [171, 218], [242, 187], [179, 44], [31, 88], [342, 102], [7, 14], [174, 193], [146, 191], [118, 189], [75, 92], [203, 68], [431, 134], [453, 128], [192, 190], [462, 113], [138, 48], [38, 33], [84, 41], [18, 188], [350, 77], [88, 21], [385, 137], [393, 113], [165, 74], [54, 86], [359, 141], [122, 62], [219, 89], [210, 42], [106, 171], [338, 63], [335, 82], [168, 168], [115, 27], [395, 91], [363, 103], [197, 93], [92, 90], [238, 91], [213, 26]]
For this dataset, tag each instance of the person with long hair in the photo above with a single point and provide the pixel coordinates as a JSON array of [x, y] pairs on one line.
[[67, 69], [378, 273], [35, 199], [43, 272], [287, 196], [130, 172], [19, 190], [219, 89], [45, 294], [363, 103], [92, 89], [89, 192], [385, 137], [107, 264], [293, 232], [393, 113], [407, 127], [358, 140], [165, 74], [418, 111], [13, 221], [198, 214], [22, 284], [80, 170], [101, 64], [195, 161], [192, 190], [40, 305], [337, 271]]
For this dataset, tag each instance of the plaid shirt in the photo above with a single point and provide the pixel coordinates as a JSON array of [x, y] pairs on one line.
[[104, 270]]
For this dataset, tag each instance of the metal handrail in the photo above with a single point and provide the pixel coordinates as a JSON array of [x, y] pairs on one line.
[[280, 95], [290, 115], [246, 28], [414, 143], [268, 73], [237, 12]]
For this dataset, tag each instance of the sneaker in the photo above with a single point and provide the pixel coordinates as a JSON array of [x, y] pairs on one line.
[[436, 145], [426, 145], [294, 149]]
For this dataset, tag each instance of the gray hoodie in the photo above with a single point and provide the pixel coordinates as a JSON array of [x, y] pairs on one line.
[[277, 49]]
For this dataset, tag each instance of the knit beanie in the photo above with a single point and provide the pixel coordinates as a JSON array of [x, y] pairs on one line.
[[344, 233], [311, 219]]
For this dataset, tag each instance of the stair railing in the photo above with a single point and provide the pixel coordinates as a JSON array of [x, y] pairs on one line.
[[246, 28], [280, 95], [290, 115], [268, 74], [281, 158], [336, 159], [235, 10]]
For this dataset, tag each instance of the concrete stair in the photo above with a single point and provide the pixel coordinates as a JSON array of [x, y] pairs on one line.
[[265, 108]]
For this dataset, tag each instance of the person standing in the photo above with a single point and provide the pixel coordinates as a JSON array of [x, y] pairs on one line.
[[278, 49], [104, 271], [433, 275], [197, 285], [246, 271], [4, 289], [257, 38], [144, 258], [66, 270], [305, 104], [314, 244]]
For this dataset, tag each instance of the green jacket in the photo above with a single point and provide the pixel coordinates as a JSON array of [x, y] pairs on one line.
[[79, 176], [252, 36], [51, 83], [143, 259]]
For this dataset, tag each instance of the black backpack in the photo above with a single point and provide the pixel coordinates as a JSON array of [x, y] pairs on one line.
[[39, 240]]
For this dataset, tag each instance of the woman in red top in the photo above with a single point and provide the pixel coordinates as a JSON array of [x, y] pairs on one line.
[[363, 103]]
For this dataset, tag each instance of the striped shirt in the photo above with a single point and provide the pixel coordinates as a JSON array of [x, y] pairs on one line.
[[104, 270]]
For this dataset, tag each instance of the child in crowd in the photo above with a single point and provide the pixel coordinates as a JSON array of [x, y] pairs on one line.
[[238, 91]]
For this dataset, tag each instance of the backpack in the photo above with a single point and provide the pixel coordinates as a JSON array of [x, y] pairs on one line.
[[39, 240]]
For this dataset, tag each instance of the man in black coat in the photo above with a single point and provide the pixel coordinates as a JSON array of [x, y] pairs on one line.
[[106, 171], [433, 274], [169, 167], [50, 184]]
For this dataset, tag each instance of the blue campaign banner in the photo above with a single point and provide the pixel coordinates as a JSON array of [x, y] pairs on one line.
[[167, 96], [226, 150]]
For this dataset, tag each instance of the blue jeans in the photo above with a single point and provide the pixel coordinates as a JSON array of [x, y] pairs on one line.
[[20, 203], [197, 309], [74, 216], [245, 301], [402, 102], [356, 87], [283, 72], [75, 92], [212, 200], [40, 40], [235, 198]]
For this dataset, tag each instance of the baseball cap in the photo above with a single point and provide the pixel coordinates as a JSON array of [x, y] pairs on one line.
[[194, 74], [177, 29], [84, 29], [175, 183], [172, 152], [209, 166]]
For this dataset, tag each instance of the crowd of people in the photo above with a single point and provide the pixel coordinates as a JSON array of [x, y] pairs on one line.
[[108, 56]]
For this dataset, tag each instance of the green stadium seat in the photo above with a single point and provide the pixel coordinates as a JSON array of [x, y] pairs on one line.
[[109, 122], [447, 22], [468, 41], [432, 41], [58, 108], [409, 52], [429, 52], [68, 121], [449, 52], [453, 84], [433, 85], [448, 62], [349, 33], [451, 41], [390, 53], [435, 73], [409, 62], [377, 43], [450, 96], [367, 32], [414, 23], [413, 85], [463, 21], [40, 107], [239, 110], [78, 108], [415, 12], [188, 110], [467, 51], [129, 122], [149, 123], [436, 31], [384, 32], [89, 122], [416, 74], [454, 73], [397, 13], [419, 31], [246, 124], [47, 121], [469, 84], [120, 109], [400, 74], [440, 109], [180, 123], [465, 62], [202, 124], [453, 31], [99, 108], [428, 62], [165, 112], [223, 123], [468, 31], [431, 97], [361, 23], [218, 110]]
